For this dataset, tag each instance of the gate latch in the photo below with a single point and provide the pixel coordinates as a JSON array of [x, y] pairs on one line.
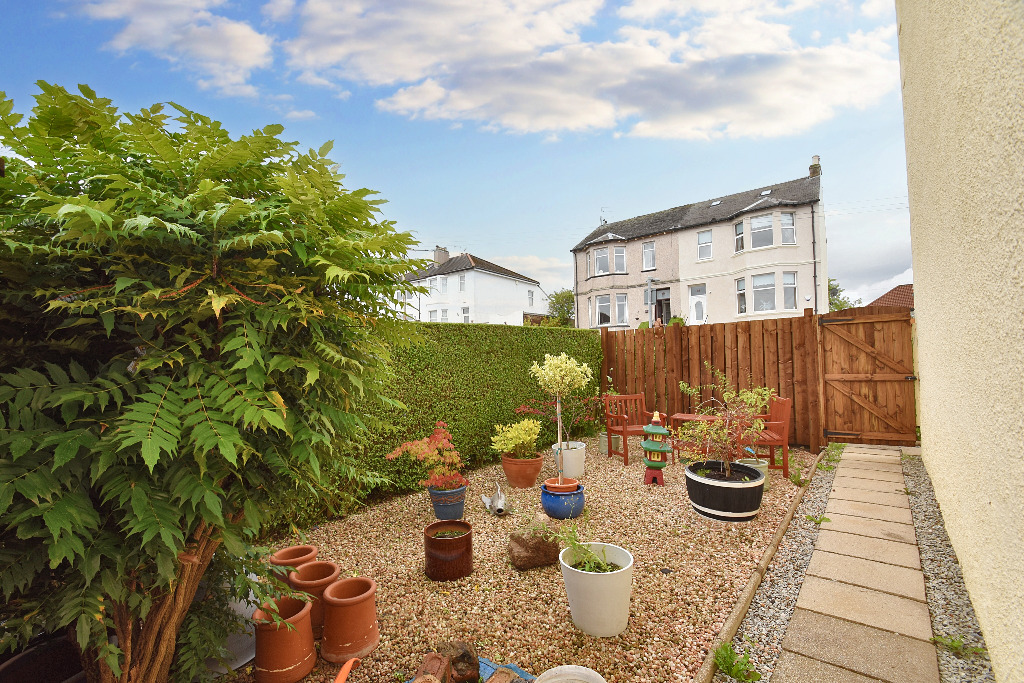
[[911, 377]]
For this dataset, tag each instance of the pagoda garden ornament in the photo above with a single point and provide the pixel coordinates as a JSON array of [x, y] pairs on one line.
[[656, 451]]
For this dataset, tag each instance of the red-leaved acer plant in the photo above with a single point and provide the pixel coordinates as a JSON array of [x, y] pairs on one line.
[[439, 455]]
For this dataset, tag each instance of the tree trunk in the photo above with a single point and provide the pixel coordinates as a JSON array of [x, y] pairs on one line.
[[148, 644]]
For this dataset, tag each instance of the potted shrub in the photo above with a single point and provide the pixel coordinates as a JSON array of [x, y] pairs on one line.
[[444, 482], [598, 583], [517, 444], [561, 376], [719, 487]]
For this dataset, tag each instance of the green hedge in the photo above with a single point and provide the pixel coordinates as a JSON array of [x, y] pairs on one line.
[[470, 377]]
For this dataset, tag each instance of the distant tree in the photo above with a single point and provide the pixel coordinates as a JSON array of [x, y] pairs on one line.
[[188, 326], [562, 306], [836, 300]]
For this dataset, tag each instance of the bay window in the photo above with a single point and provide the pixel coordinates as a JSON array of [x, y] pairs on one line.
[[620, 259], [764, 292], [739, 237], [761, 232], [741, 295], [788, 229], [604, 309], [601, 261], [621, 314], [789, 290]]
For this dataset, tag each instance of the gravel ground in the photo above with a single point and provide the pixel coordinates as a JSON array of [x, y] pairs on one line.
[[761, 632], [688, 574], [952, 613]]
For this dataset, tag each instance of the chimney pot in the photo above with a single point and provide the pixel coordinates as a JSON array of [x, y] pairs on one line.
[[815, 168], [440, 254]]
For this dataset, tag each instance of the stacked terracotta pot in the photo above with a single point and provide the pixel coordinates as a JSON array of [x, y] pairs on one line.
[[343, 612]]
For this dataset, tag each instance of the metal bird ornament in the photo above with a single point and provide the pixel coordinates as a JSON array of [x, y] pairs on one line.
[[496, 503]]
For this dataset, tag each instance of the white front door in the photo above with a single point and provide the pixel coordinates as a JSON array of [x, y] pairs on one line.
[[698, 305]]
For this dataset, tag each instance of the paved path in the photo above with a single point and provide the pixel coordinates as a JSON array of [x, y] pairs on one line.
[[861, 615]]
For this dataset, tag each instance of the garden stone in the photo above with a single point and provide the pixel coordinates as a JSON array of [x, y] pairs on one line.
[[528, 551], [465, 664]]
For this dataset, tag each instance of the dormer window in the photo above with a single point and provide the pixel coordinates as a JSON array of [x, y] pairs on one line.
[[601, 261]]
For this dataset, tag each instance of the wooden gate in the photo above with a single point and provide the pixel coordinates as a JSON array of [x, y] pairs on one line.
[[867, 372]]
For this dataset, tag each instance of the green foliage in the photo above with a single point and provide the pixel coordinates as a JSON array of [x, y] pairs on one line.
[[740, 418], [836, 300], [797, 477], [562, 307], [817, 519], [470, 376], [833, 452], [733, 665], [189, 324], [677, 321], [644, 325], [585, 559], [519, 440], [437, 454], [958, 646]]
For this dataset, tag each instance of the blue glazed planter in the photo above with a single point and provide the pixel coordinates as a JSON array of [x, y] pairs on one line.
[[562, 505], [448, 504]]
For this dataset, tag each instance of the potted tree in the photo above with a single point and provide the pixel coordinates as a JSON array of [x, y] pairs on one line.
[[719, 487], [598, 583], [517, 444], [560, 376], [444, 482]]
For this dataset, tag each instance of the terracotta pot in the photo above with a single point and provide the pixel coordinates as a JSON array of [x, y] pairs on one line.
[[314, 578], [293, 556], [350, 619], [567, 486], [521, 472], [284, 655], [448, 559]]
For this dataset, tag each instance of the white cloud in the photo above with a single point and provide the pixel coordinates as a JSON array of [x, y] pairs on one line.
[[300, 115], [553, 273], [870, 291], [878, 8], [734, 71], [222, 52], [278, 10]]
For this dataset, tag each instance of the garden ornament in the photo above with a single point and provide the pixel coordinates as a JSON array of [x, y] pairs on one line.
[[496, 503]]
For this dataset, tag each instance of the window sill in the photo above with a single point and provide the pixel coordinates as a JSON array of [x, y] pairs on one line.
[[647, 270]]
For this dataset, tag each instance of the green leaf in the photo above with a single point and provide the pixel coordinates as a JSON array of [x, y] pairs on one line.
[[123, 283], [326, 148]]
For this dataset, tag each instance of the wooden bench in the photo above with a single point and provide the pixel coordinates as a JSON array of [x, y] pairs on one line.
[[625, 415]]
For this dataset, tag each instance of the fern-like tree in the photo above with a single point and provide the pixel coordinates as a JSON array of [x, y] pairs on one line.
[[188, 324]]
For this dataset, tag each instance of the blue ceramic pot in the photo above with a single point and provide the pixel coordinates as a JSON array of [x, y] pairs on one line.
[[562, 505], [448, 504]]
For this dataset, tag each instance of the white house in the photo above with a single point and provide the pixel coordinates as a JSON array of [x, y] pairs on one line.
[[747, 256], [467, 289]]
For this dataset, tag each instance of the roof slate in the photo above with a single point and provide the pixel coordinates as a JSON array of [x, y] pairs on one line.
[[466, 262], [900, 295], [791, 193]]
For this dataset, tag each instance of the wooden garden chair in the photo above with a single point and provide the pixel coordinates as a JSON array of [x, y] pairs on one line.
[[776, 432], [625, 415]]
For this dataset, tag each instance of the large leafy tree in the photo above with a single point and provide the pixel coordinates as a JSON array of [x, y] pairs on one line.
[[562, 307], [188, 323], [837, 300]]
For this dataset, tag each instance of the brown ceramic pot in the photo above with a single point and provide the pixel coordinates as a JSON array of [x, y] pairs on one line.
[[350, 619], [314, 578], [283, 654], [448, 559], [521, 472], [568, 485], [293, 556]]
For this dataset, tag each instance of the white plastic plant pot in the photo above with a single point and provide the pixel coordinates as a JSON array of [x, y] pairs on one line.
[[759, 465], [599, 602], [602, 443], [570, 674], [574, 454]]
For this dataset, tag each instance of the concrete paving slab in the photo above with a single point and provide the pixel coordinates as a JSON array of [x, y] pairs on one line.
[[847, 471], [870, 510], [794, 668], [911, 450], [870, 458], [877, 549], [879, 576], [875, 528], [866, 606], [876, 466], [896, 500], [865, 449], [869, 651], [842, 480]]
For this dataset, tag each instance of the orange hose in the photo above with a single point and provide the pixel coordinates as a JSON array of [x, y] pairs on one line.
[[348, 666]]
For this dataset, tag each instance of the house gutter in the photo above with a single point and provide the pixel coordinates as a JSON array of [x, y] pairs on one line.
[[814, 257]]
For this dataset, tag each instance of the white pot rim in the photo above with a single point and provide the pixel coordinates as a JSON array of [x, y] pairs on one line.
[[590, 544]]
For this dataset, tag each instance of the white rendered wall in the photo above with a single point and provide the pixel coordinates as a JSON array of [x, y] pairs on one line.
[[961, 67]]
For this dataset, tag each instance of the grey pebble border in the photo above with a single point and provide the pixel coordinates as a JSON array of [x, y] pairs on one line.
[[761, 632], [950, 606]]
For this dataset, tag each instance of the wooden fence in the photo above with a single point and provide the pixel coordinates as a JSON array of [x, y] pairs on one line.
[[786, 354]]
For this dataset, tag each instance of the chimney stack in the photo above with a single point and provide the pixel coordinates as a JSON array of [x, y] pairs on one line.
[[440, 254], [815, 168]]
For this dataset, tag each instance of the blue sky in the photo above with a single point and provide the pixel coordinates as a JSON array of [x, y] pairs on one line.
[[508, 128]]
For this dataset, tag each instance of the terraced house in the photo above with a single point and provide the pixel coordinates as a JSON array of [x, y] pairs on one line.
[[751, 255]]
